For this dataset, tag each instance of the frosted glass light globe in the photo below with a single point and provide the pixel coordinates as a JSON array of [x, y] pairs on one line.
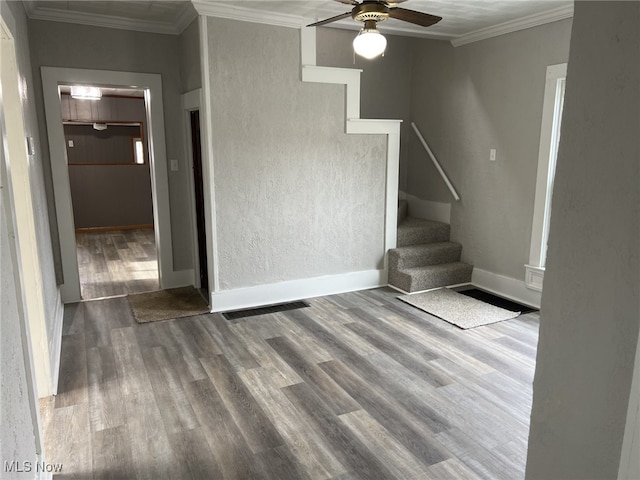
[[369, 43]]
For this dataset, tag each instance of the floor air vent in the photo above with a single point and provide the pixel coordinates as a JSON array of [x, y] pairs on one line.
[[251, 312]]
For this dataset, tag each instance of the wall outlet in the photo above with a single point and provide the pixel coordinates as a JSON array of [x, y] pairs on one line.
[[492, 154], [174, 165]]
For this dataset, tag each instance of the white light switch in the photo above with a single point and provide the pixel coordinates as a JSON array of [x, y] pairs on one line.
[[71, 143], [174, 165], [492, 154], [31, 148]]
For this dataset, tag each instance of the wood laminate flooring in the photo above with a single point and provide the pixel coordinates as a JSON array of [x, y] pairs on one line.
[[117, 263], [358, 386]]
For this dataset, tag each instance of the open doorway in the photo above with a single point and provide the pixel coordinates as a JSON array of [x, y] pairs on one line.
[[106, 145], [196, 153], [151, 85]]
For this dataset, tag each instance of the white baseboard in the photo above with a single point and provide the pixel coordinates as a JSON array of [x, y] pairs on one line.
[[55, 344], [296, 289], [507, 287], [426, 209], [534, 277]]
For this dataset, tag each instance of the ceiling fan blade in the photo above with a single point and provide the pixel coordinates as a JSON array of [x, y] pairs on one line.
[[411, 16], [348, 2], [329, 20]]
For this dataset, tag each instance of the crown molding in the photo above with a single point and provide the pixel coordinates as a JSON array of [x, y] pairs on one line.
[[523, 23], [187, 15], [234, 12]]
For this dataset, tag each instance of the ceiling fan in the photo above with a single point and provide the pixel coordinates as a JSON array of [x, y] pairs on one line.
[[370, 43]]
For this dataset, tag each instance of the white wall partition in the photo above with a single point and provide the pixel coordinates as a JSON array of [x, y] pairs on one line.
[[300, 208]]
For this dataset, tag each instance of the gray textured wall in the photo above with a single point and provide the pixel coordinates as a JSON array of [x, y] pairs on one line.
[[467, 100], [385, 90], [295, 196], [590, 314], [16, 435], [58, 44], [190, 69]]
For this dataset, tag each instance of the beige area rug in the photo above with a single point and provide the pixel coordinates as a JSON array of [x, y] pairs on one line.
[[167, 304], [460, 310]]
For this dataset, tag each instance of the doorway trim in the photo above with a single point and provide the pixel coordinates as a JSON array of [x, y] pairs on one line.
[[152, 86], [549, 136], [192, 101]]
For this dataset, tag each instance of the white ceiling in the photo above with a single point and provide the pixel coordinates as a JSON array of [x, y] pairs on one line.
[[463, 20]]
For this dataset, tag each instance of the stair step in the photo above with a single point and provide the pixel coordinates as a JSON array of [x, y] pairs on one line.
[[414, 231], [423, 278], [403, 209], [424, 254]]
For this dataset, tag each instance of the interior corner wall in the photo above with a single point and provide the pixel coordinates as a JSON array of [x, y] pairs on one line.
[[295, 197], [57, 44], [590, 317], [37, 175], [190, 68], [385, 90], [467, 100]]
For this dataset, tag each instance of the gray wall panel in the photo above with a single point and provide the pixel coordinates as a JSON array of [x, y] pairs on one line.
[[295, 196]]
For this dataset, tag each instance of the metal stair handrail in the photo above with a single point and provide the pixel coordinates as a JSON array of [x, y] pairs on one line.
[[435, 162]]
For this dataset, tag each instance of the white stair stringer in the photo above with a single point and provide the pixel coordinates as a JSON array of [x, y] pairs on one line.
[[350, 77]]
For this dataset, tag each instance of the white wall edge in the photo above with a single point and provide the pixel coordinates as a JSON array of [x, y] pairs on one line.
[[537, 250], [504, 286], [523, 23], [629, 467], [340, 76], [190, 102], [373, 126], [359, 126], [427, 209], [56, 343], [42, 474], [287, 291], [208, 175]]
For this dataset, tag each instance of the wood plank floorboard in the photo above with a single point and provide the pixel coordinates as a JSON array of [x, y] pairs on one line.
[[117, 262], [356, 386]]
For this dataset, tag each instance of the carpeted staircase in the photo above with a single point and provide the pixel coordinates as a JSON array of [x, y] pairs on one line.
[[424, 257]]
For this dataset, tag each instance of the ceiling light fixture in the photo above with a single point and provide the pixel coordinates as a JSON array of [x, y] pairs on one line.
[[81, 92], [369, 43]]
